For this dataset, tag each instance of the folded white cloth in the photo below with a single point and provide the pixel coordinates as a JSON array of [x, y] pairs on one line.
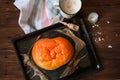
[[36, 14]]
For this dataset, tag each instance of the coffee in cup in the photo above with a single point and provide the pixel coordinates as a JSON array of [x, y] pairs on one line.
[[68, 8]]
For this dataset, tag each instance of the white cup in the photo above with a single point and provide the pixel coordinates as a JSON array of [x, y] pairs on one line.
[[68, 8]]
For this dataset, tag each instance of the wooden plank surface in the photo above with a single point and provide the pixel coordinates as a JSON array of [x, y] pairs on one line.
[[108, 10]]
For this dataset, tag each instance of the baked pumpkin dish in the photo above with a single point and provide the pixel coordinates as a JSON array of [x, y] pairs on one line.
[[52, 53]]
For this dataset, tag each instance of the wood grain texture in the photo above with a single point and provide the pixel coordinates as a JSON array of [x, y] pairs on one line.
[[108, 10]]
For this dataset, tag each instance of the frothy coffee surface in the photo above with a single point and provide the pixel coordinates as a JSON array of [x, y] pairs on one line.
[[70, 6]]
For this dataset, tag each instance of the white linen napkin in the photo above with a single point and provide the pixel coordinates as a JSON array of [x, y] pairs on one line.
[[36, 14]]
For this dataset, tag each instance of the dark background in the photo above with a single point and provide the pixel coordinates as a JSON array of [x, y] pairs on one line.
[[108, 10]]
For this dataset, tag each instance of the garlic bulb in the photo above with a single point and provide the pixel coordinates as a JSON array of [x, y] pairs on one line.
[[93, 17]]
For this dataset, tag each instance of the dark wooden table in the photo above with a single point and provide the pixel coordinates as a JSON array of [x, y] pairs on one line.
[[106, 38]]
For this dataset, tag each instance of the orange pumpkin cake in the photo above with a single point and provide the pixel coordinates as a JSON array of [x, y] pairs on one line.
[[52, 53]]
